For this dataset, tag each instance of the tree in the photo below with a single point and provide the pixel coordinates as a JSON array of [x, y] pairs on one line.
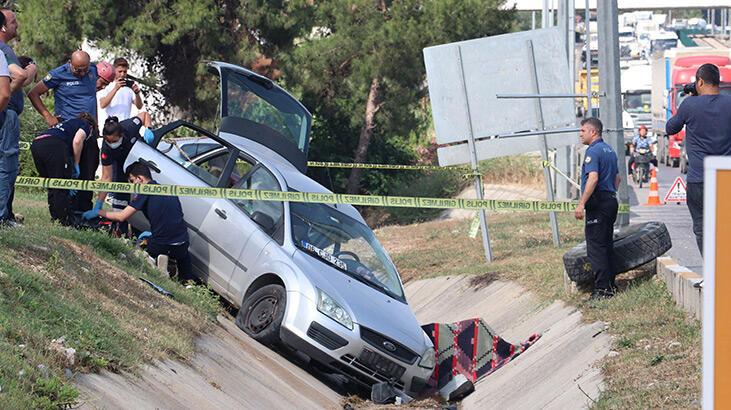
[[356, 64], [174, 38], [363, 71]]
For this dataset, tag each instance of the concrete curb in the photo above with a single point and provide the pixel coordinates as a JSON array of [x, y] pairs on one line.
[[680, 281]]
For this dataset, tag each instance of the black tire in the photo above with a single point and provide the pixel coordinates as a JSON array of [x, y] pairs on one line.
[[262, 313], [634, 246]]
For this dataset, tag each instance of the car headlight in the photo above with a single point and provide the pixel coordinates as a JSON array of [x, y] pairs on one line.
[[333, 310], [428, 359]]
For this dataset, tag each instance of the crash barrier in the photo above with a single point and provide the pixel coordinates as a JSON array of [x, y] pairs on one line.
[[307, 197]]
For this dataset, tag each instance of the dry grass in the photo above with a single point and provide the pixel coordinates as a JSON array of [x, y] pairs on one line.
[[658, 345], [522, 247]]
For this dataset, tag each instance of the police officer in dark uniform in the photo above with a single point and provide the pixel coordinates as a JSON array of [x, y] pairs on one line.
[[118, 139], [56, 154], [599, 183]]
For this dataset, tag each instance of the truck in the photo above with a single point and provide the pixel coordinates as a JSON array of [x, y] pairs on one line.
[[637, 93], [660, 41], [671, 70], [581, 85]]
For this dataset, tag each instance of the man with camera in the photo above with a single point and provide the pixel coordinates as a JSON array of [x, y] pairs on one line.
[[705, 115], [118, 97]]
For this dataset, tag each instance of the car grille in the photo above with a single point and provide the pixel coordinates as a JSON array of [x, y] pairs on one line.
[[325, 337], [377, 367], [380, 342]]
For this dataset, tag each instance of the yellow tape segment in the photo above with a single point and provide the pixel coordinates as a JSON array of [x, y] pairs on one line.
[[316, 164], [307, 197]]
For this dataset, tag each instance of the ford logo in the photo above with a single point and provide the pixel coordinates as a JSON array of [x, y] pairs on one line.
[[389, 346]]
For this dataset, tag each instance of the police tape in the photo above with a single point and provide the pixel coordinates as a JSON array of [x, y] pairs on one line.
[[306, 197], [348, 165], [558, 171], [318, 164]]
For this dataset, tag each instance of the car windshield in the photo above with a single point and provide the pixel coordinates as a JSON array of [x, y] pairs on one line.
[[345, 243], [637, 102], [666, 44]]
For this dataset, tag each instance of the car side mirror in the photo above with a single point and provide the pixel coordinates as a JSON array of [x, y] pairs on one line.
[[265, 221]]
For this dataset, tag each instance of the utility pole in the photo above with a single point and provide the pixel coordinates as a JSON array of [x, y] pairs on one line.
[[610, 105], [587, 44], [563, 154]]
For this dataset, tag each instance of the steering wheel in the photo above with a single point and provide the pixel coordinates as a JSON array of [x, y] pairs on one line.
[[348, 253]]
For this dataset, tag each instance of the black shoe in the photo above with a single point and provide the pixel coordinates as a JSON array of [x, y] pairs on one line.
[[601, 294]]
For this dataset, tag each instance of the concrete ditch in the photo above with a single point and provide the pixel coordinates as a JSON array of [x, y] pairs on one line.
[[231, 370]]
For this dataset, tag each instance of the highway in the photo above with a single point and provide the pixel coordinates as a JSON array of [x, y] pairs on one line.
[[676, 218]]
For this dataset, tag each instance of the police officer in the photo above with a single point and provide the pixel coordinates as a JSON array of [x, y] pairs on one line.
[[118, 139], [167, 223], [56, 154], [75, 85], [599, 183]]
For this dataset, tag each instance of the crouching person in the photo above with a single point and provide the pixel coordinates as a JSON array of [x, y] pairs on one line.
[[56, 154], [169, 233]]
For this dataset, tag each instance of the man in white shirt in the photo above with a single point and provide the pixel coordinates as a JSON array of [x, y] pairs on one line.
[[117, 98]]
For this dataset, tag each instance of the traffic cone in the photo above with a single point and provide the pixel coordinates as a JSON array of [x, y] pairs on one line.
[[654, 197]]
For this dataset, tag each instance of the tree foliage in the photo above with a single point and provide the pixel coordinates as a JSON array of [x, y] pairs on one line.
[[330, 53], [365, 40]]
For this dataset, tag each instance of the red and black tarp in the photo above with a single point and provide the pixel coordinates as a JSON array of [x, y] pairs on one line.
[[470, 347]]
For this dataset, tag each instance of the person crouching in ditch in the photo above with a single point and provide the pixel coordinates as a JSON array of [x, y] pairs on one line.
[[169, 233]]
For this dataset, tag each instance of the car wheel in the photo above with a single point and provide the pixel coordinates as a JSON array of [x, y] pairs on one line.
[[634, 246], [262, 313]]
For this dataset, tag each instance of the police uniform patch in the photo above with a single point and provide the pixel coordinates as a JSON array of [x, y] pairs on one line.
[[587, 160], [47, 77]]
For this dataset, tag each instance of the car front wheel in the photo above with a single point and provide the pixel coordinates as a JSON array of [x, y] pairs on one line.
[[262, 313]]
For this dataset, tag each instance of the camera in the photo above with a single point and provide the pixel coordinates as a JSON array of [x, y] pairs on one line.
[[689, 89], [128, 83]]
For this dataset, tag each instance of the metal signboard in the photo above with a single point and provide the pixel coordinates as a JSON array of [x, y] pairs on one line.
[[498, 65]]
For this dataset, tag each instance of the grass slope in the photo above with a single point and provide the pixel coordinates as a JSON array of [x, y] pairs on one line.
[[83, 286], [657, 347]]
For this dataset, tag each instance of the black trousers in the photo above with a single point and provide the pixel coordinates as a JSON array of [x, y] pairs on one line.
[[694, 195], [177, 252], [88, 164], [600, 215], [53, 160]]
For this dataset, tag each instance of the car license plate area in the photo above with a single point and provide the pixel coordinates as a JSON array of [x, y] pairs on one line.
[[381, 364]]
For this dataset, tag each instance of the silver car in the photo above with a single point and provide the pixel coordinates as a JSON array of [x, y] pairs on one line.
[[312, 276]]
